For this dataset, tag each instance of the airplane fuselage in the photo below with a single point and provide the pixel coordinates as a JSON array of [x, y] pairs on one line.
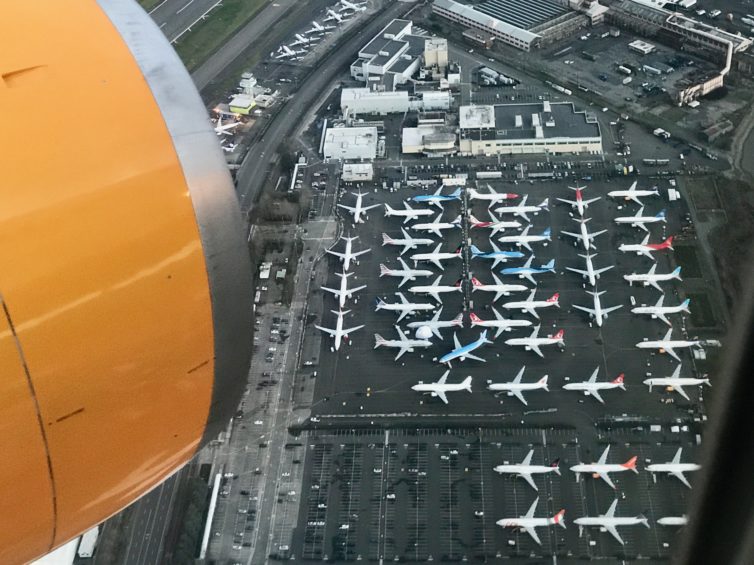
[[673, 467], [461, 352], [524, 469]]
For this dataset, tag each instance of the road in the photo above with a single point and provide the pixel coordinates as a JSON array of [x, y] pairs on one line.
[[175, 16]]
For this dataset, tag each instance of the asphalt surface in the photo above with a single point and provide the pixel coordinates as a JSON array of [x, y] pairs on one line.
[[175, 17]]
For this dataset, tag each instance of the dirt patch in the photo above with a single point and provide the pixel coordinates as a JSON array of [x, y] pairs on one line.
[[685, 256], [704, 194], [702, 314]]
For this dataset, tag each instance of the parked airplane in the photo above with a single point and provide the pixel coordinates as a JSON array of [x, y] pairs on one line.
[[646, 248], [651, 278], [499, 322], [354, 7], [436, 288], [533, 342], [673, 521], [339, 333], [403, 343], [676, 382], [492, 196], [301, 40], [675, 468], [522, 210], [659, 311], [463, 352], [436, 256], [318, 28], [584, 236], [528, 272], [407, 242], [404, 306], [610, 522], [406, 272], [668, 345], [230, 147], [441, 387], [525, 469], [436, 323], [639, 221], [348, 254], [343, 293], [408, 212], [525, 239], [332, 15], [528, 522], [597, 312], [593, 388], [437, 198], [436, 226], [579, 204], [516, 387], [495, 224], [591, 274], [225, 129], [358, 209], [633, 194], [285, 52], [499, 288], [496, 255], [603, 469], [530, 305]]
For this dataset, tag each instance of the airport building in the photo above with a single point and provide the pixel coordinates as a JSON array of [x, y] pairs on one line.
[[350, 143], [357, 172], [429, 139], [521, 23], [512, 129], [354, 101]]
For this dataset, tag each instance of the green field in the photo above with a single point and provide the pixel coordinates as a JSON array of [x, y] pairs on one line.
[[206, 37]]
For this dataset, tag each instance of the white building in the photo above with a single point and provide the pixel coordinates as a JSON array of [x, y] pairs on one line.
[[436, 52], [364, 101], [429, 140], [350, 143], [357, 172]]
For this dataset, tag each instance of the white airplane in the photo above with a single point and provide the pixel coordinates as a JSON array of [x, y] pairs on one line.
[[533, 342], [435, 289], [318, 28], [522, 210], [668, 345], [492, 196], [597, 313], [659, 311], [495, 224], [343, 293], [406, 273], [676, 382], [525, 469], [404, 306], [530, 305], [593, 388], [331, 15], [633, 194], [516, 387], [499, 322], [528, 522], [436, 226], [464, 351], [436, 323], [230, 147], [652, 278], [355, 7], [348, 254], [675, 468], [285, 52], [591, 274], [527, 271], [408, 212], [339, 333], [579, 204], [301, 40], [403, 343], [525, 239], [225, 129], [358, 209], [609, 522], [602, 468], [436, 256], [407, 242], [639, 221], [499, 288], [441, 387], [673, 521], [646, 248], [584, 236]]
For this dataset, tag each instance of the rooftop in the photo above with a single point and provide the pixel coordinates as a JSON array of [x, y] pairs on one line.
[[485, 20], [524, 14]]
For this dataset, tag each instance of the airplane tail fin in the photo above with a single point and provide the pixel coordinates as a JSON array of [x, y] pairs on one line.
[[685, 305], [559, 519], [484, 337], [473, 221], [388, 209], [459, 249], [475, 250], [554, 299], [677, 273], [556, 466], [543, 382], [379, 303], [661, 215], [559, 336], [456, 193], [550, 265], [384, 270], [474, 318], [466, 384], [545, 204], [378, 340], [668, 243], [386, 239], [631, 464], [547, 233], [643, 520], [619, 381], [475, 282], [458, 320]]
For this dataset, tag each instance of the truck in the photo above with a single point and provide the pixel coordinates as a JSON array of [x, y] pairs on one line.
[[659, 132], [624, 70]]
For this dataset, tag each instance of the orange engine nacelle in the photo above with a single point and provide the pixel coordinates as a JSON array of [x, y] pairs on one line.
[[124, 277]]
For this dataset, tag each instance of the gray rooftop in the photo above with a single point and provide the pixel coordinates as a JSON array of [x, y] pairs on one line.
[[395, 27], [525, 14]]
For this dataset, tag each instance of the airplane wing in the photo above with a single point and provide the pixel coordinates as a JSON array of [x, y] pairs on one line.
[[522, 215], [529, 277], [401, 335], [402, 315], [593, 378], [437, 262], [606, 311], [441, 394], [571, 202], [535, 348], [336, 253], [526, 244], [670, 351], [679, 390], [605, 477], [349, 208], [654, 284], [603, 458], [351, 291], [456, 342], [434, 294], [647, 254], [528, 479], [443, 378], [474, 357], [596, 394], [349, 330], [640, 225], [611, 511], [595, 234], [662, 317], [589, 311], [336, 292], [405, 279], [365, 208], [360, 252], [527, 459], [403, 350], [518, 394], [533, 533], [532, 311], [681, 477], [406, 247], [326, 330], [614, 532], [576, 235], [579, 271]]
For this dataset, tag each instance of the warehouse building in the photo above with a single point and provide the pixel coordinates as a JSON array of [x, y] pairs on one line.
[[355, 101], [520, 23], [511, 129], [350, 143], [429, 139]]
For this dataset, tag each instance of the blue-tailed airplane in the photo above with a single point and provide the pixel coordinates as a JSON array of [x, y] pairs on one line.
[[527, 271], [496, 255], [437, 199], [464, 351]]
